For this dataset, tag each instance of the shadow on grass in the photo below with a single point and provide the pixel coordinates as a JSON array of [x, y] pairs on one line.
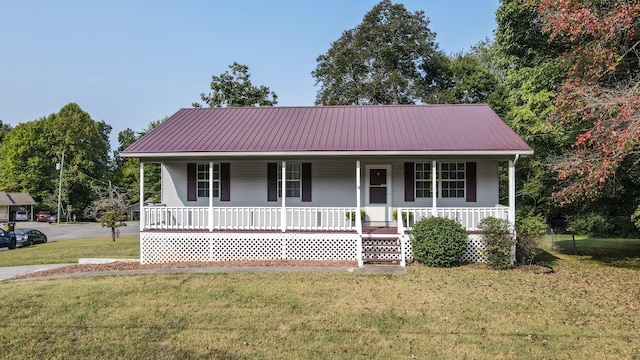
[[622, 253], [545, 258]]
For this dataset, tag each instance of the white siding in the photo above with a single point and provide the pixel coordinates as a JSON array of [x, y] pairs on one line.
[[333, 183]]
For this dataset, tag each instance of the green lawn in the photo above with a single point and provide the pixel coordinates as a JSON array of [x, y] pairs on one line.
[[69, 251], [587, 308]]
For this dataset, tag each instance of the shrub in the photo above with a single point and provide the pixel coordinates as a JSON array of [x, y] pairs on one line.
[[585, 224], [496, 234], [438, 241], [351, 215], [529, 231]]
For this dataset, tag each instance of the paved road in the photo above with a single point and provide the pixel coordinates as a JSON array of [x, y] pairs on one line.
[[63, 231], [60, 232]]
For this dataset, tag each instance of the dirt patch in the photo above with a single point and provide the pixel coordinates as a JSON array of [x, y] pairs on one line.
[[134, 265]]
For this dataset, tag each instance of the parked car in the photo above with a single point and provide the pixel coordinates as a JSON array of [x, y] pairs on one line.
[[7, 239], [43, 216], [53, 218], [21, 216], [30, 237]]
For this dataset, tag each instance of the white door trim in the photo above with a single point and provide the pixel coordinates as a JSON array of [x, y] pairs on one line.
[[375, 214]]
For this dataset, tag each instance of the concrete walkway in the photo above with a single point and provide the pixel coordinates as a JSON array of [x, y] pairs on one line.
[[7, 273]]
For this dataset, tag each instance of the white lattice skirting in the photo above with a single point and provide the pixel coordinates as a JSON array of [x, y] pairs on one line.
[[158, 247]]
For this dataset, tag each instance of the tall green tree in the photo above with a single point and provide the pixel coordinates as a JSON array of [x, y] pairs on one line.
[[4, 129], [126, 171], [30, 151], [526, 60], [236, 90], [390, 58]]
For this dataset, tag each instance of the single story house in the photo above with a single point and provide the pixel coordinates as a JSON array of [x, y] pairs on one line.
[[12, 202], [288, 182]]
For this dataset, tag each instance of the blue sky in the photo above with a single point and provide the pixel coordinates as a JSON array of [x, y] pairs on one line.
[[130, 62]]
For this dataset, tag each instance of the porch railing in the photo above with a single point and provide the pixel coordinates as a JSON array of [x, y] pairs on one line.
[[469, 218], [249, 218], [297, 218]]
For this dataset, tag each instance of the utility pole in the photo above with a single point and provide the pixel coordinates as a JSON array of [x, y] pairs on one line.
[[61, 165]]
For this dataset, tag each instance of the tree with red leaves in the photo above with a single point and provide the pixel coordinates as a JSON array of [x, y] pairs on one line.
[[601, 95]]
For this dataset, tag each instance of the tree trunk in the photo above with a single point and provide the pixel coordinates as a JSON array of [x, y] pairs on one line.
[[113, 233]]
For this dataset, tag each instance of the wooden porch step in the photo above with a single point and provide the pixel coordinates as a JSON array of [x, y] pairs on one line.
[[373, 261], [365, 253]]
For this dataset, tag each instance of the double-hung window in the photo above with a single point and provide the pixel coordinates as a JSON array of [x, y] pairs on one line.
[[294, 180], [202, 176], [423, 180], [450, 180]]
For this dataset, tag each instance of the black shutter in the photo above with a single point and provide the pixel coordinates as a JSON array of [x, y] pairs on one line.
[[306, 181], [471, 181], [192, 183], [409, 183], [272, 181], [225, 182]]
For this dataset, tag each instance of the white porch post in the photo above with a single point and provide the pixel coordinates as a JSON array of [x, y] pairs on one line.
[[142, 212], [434, 189], [512, 203], [358, 204], [512, 192], [210, 195], [358, 219], [283, 196]]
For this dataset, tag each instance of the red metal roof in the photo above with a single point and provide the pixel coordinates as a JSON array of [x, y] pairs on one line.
[[348, 129]]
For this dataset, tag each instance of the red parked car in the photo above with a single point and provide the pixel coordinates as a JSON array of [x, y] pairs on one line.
[[43, 216]]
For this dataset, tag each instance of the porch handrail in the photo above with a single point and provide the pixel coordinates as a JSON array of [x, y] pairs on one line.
[[469, 217], [249, 218]]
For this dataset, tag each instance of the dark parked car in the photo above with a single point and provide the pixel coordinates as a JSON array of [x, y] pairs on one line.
[[30, 237], [43, 216], [7, 239]]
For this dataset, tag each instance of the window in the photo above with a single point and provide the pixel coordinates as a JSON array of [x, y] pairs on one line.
[[202, 176], [294, 180], [452, 180], [423, 180]]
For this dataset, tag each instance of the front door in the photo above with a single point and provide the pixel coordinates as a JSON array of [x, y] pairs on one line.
[[378, 194]]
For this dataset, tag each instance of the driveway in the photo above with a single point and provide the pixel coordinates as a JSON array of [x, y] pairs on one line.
[[65, 231]]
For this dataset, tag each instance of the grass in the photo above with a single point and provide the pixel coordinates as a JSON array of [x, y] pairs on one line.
[[585, 309], [69, 251]]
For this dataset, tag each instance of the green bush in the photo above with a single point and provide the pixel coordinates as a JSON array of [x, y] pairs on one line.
[[496, 234], [351, 215], [529, 231], [586, 224], [438, 241]]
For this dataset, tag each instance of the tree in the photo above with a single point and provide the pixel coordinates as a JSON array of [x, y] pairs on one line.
[[390, 58], [236, 90], [601, 94], [30, 151], [4, 129], [473, 77], [109, 209], [126, 171]]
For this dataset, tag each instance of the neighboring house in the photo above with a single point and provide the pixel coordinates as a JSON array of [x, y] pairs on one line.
[[12, 202], [225, 170]]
